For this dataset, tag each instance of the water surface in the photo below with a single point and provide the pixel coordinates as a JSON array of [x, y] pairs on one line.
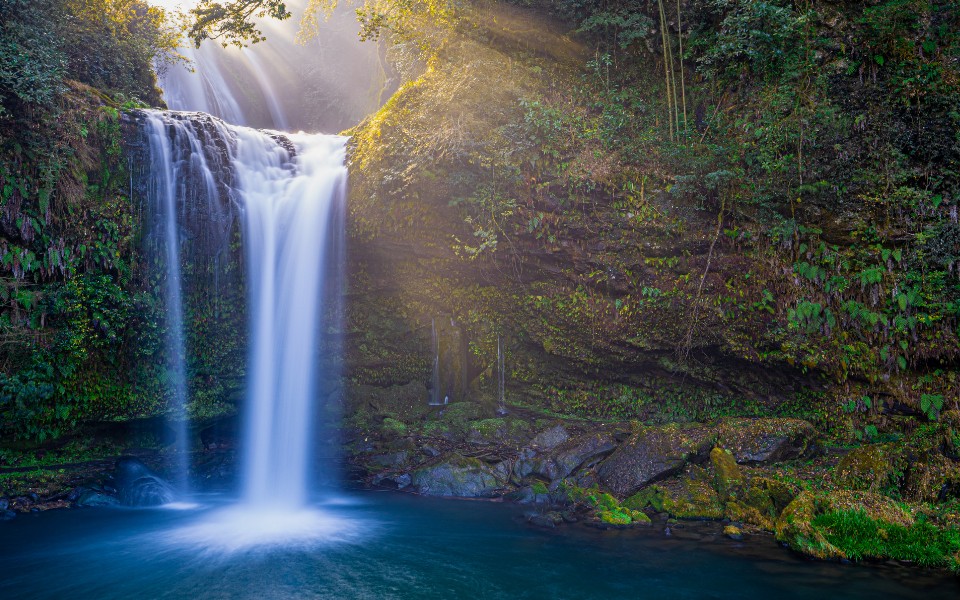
[[387, 545]]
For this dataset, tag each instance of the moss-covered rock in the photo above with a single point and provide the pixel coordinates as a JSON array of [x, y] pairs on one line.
[[795, 528], [457, 476], [692, 499], [392, 428], [768, 496], [728, 479], [870, 467], [652, 496], [932, 478], [765, 440], [798, 527], [614, 517], [506, 431], [733, 532], [744, 513], [459, 415], [438, 429], [652, 454]]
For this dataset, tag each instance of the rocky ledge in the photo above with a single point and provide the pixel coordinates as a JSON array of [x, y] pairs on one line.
[[755, 475]]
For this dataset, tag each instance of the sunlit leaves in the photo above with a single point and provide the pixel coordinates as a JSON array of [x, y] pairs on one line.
[[231, 23]]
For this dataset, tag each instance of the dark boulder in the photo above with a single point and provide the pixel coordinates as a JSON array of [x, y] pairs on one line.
[[93, 497], [652, 454], [457, 476], [399, 481], [565, 459], [547, 520], [549, 439], [137, 485], [754, 441]]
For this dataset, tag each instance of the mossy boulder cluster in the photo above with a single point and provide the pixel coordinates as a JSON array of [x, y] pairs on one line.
[[755, 475]]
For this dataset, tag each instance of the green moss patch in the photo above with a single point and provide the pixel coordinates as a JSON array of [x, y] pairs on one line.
[[861, 537]]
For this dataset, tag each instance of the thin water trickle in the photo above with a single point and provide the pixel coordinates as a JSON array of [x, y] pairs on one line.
[[435, 371], [501, 378]]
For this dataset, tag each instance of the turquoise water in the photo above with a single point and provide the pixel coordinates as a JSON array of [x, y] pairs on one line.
[[389, 545]]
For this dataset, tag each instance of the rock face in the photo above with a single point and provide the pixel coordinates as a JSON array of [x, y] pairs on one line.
[[652, 454], [457, 476], [565, 458], [549, 439], [137, 485], [754, 441]]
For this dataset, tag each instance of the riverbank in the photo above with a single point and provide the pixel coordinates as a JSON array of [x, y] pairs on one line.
[[771, 477]]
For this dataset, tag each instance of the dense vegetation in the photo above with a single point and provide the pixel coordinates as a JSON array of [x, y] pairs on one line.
[[679, 213], [78, 319], [774, 183]]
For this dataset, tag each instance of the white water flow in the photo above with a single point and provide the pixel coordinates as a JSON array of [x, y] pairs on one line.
[[501, 378], [290, 191], [177, 160], [435, 370], [291, 205]]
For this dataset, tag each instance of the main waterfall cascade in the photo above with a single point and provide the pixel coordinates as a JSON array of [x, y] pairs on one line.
[[289, 190], [291, 213]]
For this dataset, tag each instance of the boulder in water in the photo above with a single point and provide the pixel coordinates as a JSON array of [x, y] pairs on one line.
[[137, 485], [5, 513], [457, 476]]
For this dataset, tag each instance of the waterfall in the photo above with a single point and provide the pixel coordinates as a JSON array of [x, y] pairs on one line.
[[180, 169], [289, 190], [501, 378], [435, 368], [291, 204]]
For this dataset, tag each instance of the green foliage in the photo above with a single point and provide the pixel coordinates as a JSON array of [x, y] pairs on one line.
[[82, 337], [32, 64], [621, 24], [861, 537], [112, 45], [231, 22], [736, 37], [800, 215], [931, 404]]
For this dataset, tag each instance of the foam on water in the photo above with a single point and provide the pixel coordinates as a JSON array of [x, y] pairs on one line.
[[245, 528]]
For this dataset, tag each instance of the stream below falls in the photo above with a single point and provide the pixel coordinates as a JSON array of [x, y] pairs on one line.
[[391, 545]]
